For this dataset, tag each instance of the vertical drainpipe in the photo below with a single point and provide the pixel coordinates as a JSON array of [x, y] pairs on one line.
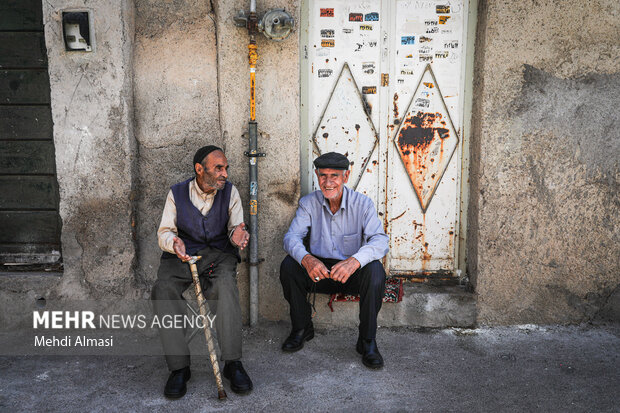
[[253, 155]]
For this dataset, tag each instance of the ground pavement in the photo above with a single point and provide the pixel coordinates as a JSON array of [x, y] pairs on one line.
[[519, 368]]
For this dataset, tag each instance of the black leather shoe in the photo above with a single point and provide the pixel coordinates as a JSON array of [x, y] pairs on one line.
[[239, 380], [175, 386], [295, 340], [370, 353]]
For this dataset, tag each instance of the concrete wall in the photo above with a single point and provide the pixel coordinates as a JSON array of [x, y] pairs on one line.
[[176, 109], [545, 176], [91, 96]]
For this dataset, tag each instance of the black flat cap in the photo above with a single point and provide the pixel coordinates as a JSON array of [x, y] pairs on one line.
[[202, 153], [332, 160]]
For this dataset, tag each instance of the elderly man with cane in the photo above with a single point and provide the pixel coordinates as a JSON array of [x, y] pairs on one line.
[[345, 241], [202, 216]]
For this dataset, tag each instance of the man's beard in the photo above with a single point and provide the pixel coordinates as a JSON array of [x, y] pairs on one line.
[[213, 183], [219, 184]]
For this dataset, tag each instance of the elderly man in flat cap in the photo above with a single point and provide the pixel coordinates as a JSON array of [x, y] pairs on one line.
[[202, 216], [345, 243]]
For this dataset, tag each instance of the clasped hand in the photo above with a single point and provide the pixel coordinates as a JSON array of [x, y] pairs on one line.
[[341, 271]]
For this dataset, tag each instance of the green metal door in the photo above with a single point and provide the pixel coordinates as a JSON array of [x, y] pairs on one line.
[[29, 220]]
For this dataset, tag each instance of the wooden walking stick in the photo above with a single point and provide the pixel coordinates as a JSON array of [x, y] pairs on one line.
[[203, 306]]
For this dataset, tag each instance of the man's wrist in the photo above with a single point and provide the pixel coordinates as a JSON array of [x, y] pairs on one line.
[[359, 261], [232, 241], [306, 259], [299, 254], [169, 244], [232, 231]]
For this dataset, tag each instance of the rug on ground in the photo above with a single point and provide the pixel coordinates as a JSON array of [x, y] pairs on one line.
[[393, 293]]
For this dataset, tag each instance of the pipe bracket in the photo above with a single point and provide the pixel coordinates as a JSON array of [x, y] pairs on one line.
[[254, 264], [255, 155]]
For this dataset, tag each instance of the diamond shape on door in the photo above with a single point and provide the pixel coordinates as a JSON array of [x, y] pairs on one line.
[[426, 138], [345, 127]]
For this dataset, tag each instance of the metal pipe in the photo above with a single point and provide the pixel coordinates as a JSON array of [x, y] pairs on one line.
[[253, 142], [252, 24], [253, 155]]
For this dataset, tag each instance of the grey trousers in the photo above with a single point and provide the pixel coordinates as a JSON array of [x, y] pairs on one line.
[[219, 289]]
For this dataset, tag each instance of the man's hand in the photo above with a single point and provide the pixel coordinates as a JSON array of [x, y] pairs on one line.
[[179, 249], [240, 236], [316, 269], [342, 270]]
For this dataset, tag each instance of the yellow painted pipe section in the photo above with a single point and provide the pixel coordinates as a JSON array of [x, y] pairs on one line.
[[253, 58]]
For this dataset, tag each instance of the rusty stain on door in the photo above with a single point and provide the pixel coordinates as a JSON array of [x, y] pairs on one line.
[[426, 139]]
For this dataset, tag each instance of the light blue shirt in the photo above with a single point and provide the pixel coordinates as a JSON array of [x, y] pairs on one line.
[[353, 231]]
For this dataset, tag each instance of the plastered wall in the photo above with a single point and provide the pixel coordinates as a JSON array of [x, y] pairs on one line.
[[544, 244], [176, 109]]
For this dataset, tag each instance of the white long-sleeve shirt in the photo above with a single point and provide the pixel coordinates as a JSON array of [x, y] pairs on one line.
[[201, 200]]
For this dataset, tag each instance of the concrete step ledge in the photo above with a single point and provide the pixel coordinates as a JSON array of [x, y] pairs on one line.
[[422, 306]]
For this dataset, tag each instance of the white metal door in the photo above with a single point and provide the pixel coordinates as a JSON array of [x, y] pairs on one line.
[[382, 82]]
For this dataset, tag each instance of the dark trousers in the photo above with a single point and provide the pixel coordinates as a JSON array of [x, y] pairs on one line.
[[222, 295], [368, 282]]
